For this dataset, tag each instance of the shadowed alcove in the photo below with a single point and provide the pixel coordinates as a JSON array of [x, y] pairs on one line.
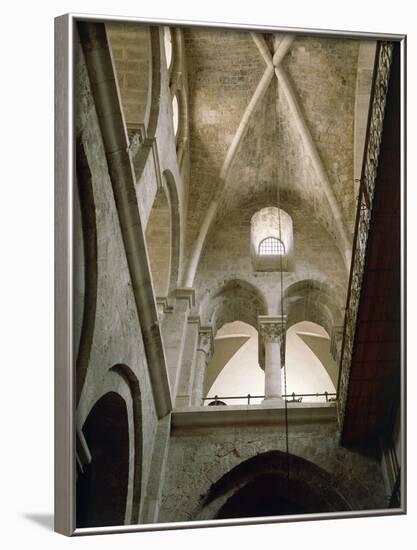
[[270, 484], [102, 487]]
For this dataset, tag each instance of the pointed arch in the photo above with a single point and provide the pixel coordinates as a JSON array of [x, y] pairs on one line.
[[309, 489]]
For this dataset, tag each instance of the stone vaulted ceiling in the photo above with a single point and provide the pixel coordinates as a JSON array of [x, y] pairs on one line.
[[224, 69]]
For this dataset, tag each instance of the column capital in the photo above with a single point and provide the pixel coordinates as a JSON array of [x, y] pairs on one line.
[[272, 328]]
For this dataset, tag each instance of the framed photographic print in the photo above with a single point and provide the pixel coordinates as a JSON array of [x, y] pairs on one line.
[[230, 325]]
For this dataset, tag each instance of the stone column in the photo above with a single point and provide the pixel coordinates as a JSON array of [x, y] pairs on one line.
[[157, 472], [204, 354], [271, 339], [185, 386]]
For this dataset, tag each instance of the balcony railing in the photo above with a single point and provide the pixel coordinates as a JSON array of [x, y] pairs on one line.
[[364, 213], [290, 398]]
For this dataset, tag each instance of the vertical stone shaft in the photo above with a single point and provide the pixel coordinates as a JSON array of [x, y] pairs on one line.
[[186, 383], [271, 339], [273, 370], [204, 354], [174, 327]]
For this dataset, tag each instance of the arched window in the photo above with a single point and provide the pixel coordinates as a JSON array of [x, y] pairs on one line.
[[271, 246], [168, 46], [271, 240], [175, 113]]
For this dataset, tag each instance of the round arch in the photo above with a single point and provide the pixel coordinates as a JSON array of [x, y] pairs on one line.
[[136, 431], [157, 48], [179, 90], [123, 413], [158, 241], [103, 486], [272, 240], [168, 47], [234, 369], [85, 265], [163, 237], [310, 366], [234, 300], [171, 192], [310, 300]]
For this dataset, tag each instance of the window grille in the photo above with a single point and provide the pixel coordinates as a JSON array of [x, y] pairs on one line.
[[271, 247]]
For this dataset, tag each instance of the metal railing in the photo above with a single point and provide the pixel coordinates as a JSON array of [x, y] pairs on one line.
[[364, 214], [295, 397]]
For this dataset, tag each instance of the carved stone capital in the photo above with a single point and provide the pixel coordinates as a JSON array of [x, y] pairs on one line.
[[272, 329]]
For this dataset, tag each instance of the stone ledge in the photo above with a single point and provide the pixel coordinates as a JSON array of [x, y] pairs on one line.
[[299, 414], [186, 293]]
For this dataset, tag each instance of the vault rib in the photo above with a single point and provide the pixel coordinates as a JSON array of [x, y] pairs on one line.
[[244, 122], [311, 148], [262, 47], [304, 131], [232, 152]]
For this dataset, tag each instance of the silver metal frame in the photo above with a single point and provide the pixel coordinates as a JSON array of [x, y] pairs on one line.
[[64, 365]]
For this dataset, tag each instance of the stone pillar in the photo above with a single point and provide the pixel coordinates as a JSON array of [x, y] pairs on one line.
[[204, 354], [272, 339], [185, 386], [152, 500], [174, 324]]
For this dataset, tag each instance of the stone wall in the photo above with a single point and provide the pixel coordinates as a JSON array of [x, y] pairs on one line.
[[117, 336], [199, 457], [328, 66], [227, 256], [224, 69], [158, 241], [177, 471], [130, 45]]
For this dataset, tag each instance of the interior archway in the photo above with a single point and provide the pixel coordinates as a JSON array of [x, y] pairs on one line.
[[102, 487], [175, 114], [168, 46], [310, 367], [234, 369], [171, 191], [269, 495], [233, 300], [269, 484]]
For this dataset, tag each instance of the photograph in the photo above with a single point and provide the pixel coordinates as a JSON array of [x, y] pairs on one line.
[[229, 275]]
